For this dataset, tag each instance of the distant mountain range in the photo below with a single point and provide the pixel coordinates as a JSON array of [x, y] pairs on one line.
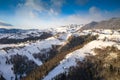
[[5, 24], [3, 30], [113, 23]]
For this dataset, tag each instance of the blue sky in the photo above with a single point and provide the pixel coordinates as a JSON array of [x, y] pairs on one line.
[[53, 13]]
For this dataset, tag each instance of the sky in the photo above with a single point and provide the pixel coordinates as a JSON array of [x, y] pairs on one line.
[[39, 14]]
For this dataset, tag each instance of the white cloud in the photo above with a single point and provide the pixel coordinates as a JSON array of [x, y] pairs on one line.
[[56, 5], [53, 6], [98, 14], [39, 14], [94, 11]]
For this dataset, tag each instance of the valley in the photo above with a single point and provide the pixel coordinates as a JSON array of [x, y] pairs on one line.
[[60, 53]]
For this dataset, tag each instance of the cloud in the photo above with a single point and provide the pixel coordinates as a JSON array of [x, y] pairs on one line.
[[109, 14], [95, 11], [94, 14], [41, 14], [37, 12], [57, 5], [40, 6], [99, 14]]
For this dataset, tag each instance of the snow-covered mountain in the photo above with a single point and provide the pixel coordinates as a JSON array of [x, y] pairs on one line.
[[113, 23], [32, 46], [24, 51], [106, 38]]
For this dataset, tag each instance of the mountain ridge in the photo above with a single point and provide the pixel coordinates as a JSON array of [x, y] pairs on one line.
[[5, 24], [21, 58], [113, 23]]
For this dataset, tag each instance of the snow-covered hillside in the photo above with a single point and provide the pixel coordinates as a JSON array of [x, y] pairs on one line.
[[28, 49], [34, 52], [106, 38], [70, 59]]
